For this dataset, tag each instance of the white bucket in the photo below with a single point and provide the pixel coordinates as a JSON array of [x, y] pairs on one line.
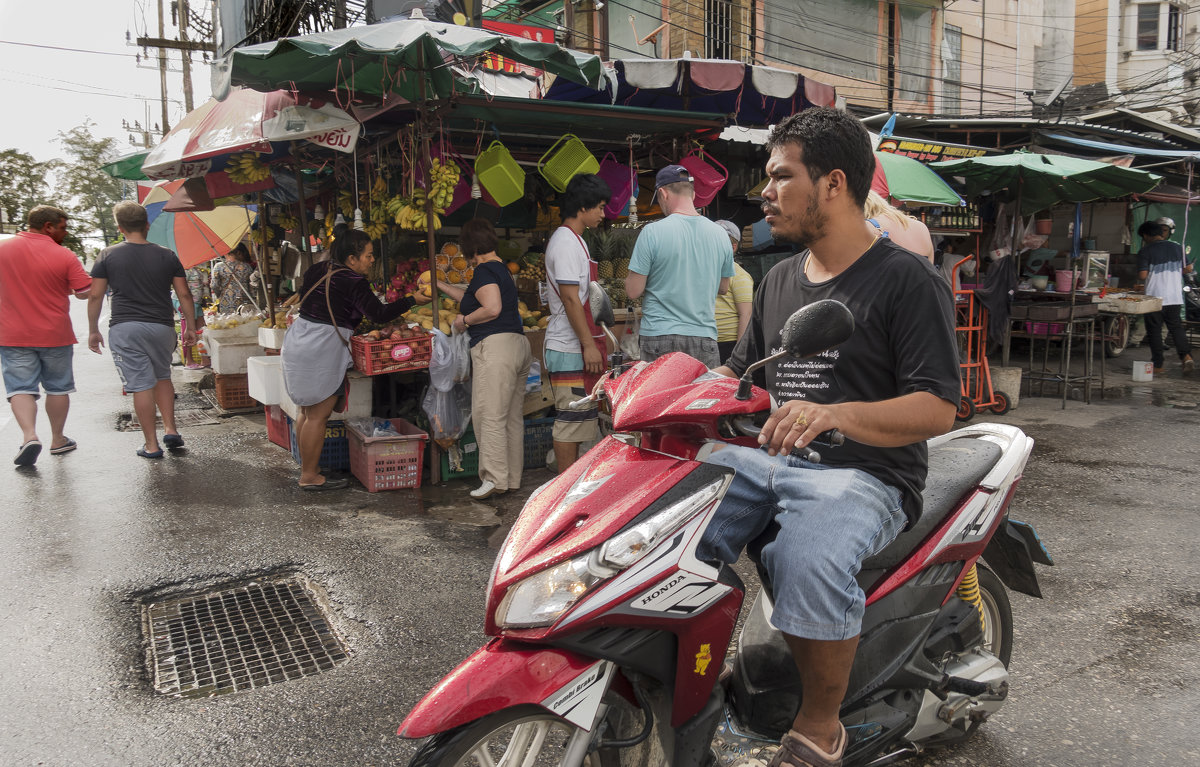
[[1143, 371]]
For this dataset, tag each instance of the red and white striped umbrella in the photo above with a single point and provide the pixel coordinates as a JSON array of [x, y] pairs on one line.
[[247, 121]]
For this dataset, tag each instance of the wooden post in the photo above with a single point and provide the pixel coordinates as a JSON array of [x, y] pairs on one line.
[[307, 260], [264, 254]]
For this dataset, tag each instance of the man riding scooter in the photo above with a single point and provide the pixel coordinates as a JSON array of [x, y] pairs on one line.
[[891, 386]]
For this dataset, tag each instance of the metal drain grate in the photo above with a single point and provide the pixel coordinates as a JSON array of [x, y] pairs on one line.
[[239, 638], [183, 418]]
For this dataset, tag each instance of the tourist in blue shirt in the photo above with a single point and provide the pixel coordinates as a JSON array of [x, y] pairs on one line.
[[679, 266]]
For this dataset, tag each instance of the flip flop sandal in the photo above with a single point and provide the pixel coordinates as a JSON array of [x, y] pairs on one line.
[[795, 750], [28, 454], [144, 454], [172, 441], [328, 484], [66, 447]]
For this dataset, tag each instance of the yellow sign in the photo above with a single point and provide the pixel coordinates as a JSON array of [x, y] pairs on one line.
[[703, 658]]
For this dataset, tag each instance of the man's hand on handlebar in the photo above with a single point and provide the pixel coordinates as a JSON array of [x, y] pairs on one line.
[[795, 424]]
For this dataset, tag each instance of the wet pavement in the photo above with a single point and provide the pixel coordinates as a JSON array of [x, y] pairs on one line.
[[1106, 669]]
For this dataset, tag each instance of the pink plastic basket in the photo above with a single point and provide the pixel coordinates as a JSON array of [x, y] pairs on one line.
[[620, 181], [388, 463], [707, 179]]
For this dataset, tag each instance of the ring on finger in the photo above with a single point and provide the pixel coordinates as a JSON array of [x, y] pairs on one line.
[[802, 421]]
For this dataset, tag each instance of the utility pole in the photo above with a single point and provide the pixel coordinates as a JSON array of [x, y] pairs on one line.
[[162, 71], [183, 44], [187, 55]]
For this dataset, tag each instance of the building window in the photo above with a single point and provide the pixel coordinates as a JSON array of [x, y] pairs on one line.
[[1147, 27], [951, 69], [1174, 27], [718, 29]]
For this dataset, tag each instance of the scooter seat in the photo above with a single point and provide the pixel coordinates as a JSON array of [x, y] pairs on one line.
[[955, 467]]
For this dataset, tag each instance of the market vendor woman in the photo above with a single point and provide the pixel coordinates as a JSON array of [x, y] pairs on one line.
[[316, 350], [500, 359]]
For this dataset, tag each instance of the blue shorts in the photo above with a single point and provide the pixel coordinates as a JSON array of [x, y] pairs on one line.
[[142, 352], [831, 519], [25, 367]]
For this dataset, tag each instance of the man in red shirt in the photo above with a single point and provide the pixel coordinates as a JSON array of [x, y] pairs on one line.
[[37, 344]]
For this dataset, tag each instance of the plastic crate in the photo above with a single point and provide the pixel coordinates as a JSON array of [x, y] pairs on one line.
[[386, 356], [279, 427], [195, 358], [1044, 328], [469, 448], [388, 463], [539, 440], [233, 391], [335, 454]]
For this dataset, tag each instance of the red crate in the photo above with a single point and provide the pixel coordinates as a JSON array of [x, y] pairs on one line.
[[386, 356], [279, 430], [271, 352], [388, 463], [233, 391]]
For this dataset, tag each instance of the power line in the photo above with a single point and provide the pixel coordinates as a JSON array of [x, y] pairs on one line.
[[69, 50]]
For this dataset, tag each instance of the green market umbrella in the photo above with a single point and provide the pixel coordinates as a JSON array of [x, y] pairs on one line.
[[907, 180], [408, 58], [128, 167], [1041, 180]]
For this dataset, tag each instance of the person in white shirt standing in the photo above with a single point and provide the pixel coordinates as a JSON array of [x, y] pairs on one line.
[[574, 353]]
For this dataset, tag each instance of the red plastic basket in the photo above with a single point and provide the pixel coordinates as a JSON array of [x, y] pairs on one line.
[[388, 463], [233, 391], [620, 182], [705, 178], [279, 430], [377, 357]]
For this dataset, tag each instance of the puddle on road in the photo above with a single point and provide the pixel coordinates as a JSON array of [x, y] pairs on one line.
[[1149, 396], [451, 503]]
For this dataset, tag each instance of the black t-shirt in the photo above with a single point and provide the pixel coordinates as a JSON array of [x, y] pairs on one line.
[[903, 342], [509, 319], [141, 277], [350, 298]]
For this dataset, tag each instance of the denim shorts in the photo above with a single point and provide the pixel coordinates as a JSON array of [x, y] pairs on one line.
[[25, 367], [831, 519], [703, 349], [142, 353]]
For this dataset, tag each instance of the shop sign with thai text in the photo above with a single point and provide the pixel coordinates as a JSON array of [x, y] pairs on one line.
[[930, 151]]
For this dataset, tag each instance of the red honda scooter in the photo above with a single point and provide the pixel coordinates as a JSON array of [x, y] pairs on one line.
[[611, 640]]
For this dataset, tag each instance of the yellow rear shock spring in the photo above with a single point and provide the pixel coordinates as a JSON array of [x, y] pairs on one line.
[[968, 591]]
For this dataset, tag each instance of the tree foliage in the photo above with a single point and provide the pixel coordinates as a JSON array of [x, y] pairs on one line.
[[24, 186], [91, 192]]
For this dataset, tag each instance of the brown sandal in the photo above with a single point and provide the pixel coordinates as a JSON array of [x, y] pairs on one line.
[[795, 750]]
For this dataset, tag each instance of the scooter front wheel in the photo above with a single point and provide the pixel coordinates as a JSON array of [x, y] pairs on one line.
[[528, 736]]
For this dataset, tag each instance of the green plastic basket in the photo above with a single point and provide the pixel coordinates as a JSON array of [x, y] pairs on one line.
[[560, 164], [499, 174]]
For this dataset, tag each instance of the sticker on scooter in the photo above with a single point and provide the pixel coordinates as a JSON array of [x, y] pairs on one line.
[[578, 700], [703, 658], [680, 594], [701, 404]]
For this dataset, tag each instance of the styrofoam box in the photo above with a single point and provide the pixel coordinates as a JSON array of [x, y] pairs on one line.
[[271, 338], [265, 378], [358, 406], [229, 357]]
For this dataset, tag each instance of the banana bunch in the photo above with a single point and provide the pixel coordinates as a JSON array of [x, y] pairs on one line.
[[444, 178], [259, 236], [345, 201], [287, 221], [411, 213], [245, 168], [379, 188], [376, 229], [330, 217]]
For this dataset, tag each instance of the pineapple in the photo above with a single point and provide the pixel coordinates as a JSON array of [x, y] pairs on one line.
[[605, 270], [621, 270]]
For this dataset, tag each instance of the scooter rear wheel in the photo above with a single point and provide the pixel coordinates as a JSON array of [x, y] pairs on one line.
[[997, 613], [525, 735]]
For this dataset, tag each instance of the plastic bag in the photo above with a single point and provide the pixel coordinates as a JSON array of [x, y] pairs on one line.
[[373, 427], [450, 362], [449, 413], [631, 339]]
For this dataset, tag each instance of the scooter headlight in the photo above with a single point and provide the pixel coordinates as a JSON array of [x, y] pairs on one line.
[[541, 598]]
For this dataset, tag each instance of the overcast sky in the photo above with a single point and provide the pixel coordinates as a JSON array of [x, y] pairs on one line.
[[46, 89]]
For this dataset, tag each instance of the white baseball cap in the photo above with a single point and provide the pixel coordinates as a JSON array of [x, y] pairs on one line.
[[733, 230]]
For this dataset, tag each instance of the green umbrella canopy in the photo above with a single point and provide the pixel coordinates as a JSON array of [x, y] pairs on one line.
[[911, 181], [1042, 180], [394, 57], [128, 167]]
